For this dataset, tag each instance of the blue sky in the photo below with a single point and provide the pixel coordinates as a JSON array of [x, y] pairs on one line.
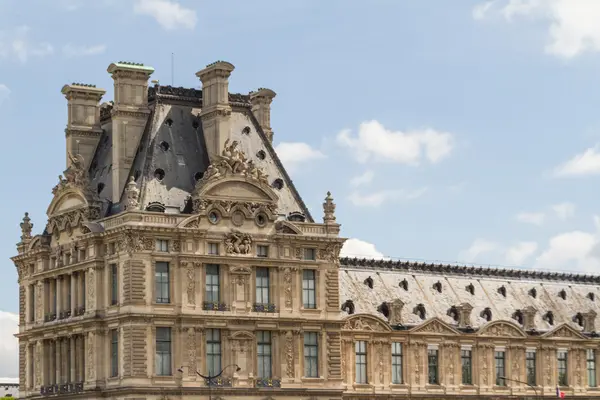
[[458, 131]]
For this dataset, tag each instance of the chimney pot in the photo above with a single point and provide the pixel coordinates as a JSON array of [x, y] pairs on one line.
[[261, 107]]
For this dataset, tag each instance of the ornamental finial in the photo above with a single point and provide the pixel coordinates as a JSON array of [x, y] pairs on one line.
[[26, 227], [132, 194], [329, 209]]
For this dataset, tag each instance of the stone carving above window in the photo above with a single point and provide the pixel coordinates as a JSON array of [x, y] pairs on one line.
[[364, 323], [237, 242]]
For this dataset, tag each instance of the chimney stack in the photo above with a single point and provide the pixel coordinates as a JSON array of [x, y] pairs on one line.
[[83, 122], [129, 117], [261, 107], [216, 110]]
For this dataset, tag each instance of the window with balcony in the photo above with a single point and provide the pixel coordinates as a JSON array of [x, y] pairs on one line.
[[360, 356], [162, 282], [212, 292], [263, 298], [162, 245], [114, 285], [213, 351], [311, 355], [213, 249], [500, 358], [396, 363], [433, 366], [466, 366], [562, 368], [263, 353], [163, 351], [262, 251], [114, 353], [309, 295], [531, 367], [591, 367]]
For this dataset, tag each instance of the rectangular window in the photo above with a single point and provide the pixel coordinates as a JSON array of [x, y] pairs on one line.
[[263, 353], [262, 285], [114, 353], [114, 285], [163, 351], [162, 245], [467, 367], [161, 279], [562, 368], [432, 361], [212, 283], [499, 356], [310, 254], [591, 367], [360, 354], [396, 363], [213, 351], [32, 303], [262, 251], [311, 355], [530, 366], [309, 296], [213, 249]]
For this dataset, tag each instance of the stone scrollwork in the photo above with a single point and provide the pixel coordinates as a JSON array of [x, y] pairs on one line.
[[91, 285], [237, 242], [90, 356], [289, 354], [191, 348], [38, 365], [287, 286], [132, 242], [233, 161], [191, 283], [39, 301], [330, 253]]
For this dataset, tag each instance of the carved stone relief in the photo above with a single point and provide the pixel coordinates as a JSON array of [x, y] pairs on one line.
[[191, 349], [38, 364], [90, 356], [91, 289], [358, 324], [289, 354], [287, 286], [191, 283], [237, 242]]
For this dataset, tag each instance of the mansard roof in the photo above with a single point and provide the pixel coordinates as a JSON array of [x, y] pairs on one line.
[[173, 148], [438, 291]]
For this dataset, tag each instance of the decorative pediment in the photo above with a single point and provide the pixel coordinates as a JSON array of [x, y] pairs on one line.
[[239, 269], [564, 331], [502, 329], [241, 335], [287, 228], [365, 322], [233, 176], [435, 326], [191, 222]]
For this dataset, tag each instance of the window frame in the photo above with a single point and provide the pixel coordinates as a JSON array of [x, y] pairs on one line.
[[361, 361], [264, 355], [114, 353], [433, 366], [259, 253], [562, 363], [114, 284], [161, 245], [500, 367], [531, 367], [309, 254], [209, 294], [591, 368], [262, 285], [214, 351], [213, 249], [466, 366]]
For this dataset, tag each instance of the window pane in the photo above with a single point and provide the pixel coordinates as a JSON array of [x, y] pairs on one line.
[[163, 351], [114, 284], [262, 285], [212, 283], [562, 368], [432, 358], [361, 361], [530, 365], [213, 351], [161, 280], [467, 370], [264, 354], [114, 353], [396, 363], [309, 298], [311, 355], [591, 367], [500, 368]]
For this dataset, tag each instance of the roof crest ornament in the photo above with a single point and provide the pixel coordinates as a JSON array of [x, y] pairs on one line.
[[75, 176], [26, 227], [132, 194], [328, 210]]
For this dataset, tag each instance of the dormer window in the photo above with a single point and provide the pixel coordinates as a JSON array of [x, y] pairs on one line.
[[369, 282], [438, 286], [502, 291], [486, 314], [562, 294], [518, 316], [384, 309], [420, 311], [578, 319], [591, 296], [404, 284], [549, 317], [348, 306], [453, 313], [533, 293], [470, 288]]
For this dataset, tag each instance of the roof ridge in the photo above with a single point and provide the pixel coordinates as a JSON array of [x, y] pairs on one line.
[[450, 269]]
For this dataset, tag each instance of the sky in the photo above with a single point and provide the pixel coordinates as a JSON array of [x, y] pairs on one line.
[[458, 131]]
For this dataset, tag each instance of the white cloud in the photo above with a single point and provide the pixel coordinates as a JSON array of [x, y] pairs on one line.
[[564, 210], [16, 44], [519, 253], [478, 248], [9, 345], [168, 13], [572, 24], [295, 154], [375, 142], [360, 249], [535, 218], [70, 50], [586, 163], [375, 199], [574, 250], [4, 93], [362, 179]]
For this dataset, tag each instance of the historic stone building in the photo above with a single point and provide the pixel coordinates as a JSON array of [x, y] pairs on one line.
[[176, 243]]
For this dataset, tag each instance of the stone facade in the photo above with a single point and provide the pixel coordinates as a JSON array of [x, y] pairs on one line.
[[182, 249]]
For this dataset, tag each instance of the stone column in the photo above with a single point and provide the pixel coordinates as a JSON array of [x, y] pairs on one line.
[[90, 290], [57, 354], [81, 289], [72, 355], [59, 295], [82, 362], [73, 293], [345, 360], [90, 355]]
